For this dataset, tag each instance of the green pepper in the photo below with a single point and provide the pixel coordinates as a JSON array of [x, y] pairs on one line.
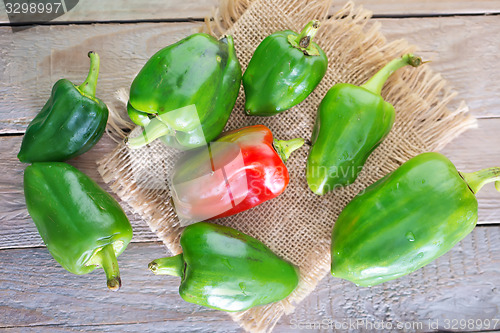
[[406, 220], [186, 92], [81, 224], [351, 122], [285, 68], [224, 269], [69, 124]]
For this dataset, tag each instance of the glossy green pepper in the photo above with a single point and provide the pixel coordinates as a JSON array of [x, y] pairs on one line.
[[285, 68], [186, 92], [224, 269], [406, 220], [81, 224], [69, 124], [351, 122]]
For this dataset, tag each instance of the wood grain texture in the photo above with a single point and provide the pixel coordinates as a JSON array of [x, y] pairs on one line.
[[429, 7], [463, 49], [462, 284], [130, 10], [31, 61], [43, 294], [476, 149]]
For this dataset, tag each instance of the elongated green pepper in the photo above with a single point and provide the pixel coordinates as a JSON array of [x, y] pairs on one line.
[[69, 124], [185, 92], [351, 122], [224, 269], [81, 224], [406, 220], [285, 68]]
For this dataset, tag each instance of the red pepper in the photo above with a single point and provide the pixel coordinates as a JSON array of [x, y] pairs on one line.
[[238, 171]]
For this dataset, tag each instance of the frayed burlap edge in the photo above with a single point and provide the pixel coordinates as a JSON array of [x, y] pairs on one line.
[[431, 129]]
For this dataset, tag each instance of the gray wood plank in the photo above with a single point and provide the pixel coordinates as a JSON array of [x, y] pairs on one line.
[[429, 7], [461, 48], [36, 292], [31, 61], [462, 284], [476, 149], [126, 10]]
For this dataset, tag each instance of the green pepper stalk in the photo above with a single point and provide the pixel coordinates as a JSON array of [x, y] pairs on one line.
[[88, 87], [70, 123], [378, 80], [173, 266], [351, 122], [285, 148], [225, 269], [82, 225], [106, 258], [407, 219], [303, 41], [476, 180], [155, 129]]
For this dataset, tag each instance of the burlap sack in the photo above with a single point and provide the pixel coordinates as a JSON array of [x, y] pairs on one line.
[[297, 224]]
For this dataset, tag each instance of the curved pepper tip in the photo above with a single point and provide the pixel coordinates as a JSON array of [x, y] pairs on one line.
[[21, 158]]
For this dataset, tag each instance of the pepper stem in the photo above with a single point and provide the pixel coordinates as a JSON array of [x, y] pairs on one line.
[[106, 258], [152, 131], [307, 34], [173, 266], [476, 180], [88, 87], [304, 39], [285, 148], [377, 81]]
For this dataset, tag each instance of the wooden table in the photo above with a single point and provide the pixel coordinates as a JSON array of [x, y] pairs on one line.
[[461, 37]]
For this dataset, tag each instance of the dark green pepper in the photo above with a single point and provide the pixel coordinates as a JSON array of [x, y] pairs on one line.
[[69, 124], [351, 122], [81, 224], [285, 68], [224, 269], [406, 220], [186, 92]]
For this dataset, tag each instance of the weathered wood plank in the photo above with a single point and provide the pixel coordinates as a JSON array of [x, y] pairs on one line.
[[429, 7], [459, 285], [128, 10], [36, 291], [461, 48], [472, 151], [31, 61]]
